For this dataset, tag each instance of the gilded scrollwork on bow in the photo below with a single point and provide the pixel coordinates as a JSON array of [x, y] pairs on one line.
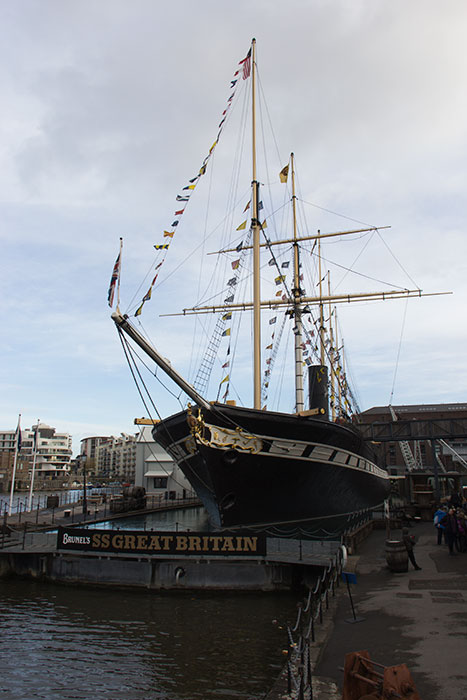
[[225, 438], [213, 436]]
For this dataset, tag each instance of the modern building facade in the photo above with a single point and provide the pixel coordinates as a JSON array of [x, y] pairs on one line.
[[109, 458], [53, 458]]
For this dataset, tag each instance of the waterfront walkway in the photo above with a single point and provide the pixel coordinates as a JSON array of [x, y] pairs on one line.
[[71, 514], [417, 618]]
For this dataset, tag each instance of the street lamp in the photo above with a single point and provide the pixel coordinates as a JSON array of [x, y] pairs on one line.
[[85, 503]]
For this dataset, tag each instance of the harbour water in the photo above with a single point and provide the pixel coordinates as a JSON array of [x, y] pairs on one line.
[[63, 643], [185, 519]]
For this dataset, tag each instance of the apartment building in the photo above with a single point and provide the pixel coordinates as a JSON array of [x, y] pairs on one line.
[[53, 458], [109, 458]]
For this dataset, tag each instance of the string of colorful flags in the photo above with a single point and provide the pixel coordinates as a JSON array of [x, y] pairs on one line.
[[232, 285], [183, 198]]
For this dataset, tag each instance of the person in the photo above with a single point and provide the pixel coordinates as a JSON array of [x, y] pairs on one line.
[[461, 532], [450, 528], [456, 500], [409, 541], [440, 513]]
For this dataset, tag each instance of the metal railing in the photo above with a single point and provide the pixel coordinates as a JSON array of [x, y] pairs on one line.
[[302, 634]]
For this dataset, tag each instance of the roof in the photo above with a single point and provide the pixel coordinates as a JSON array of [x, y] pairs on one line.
[[418, 408], [158, 472], [157, 460]]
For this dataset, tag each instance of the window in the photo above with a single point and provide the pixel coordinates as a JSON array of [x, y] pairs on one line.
[[160, 482]]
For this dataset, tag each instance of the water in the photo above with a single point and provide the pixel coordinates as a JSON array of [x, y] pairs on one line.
[[186, 519], [70, 643]]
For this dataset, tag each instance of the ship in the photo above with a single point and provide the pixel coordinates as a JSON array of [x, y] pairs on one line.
[[304, 473]]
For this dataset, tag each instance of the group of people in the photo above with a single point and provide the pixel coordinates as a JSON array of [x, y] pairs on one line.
[[451, 523]]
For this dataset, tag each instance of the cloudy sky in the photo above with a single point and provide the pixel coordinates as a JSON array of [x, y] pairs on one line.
[[109, 106]]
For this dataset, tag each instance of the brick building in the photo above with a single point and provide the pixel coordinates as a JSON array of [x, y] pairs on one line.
[[423, 452]]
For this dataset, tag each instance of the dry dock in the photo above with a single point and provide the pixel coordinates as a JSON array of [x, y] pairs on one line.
[[161, 560]]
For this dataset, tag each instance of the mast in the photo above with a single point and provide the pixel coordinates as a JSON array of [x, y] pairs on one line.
[[34, 460], [298, 330], [345, 386], [15, 460], [332, 356], [321, 310], [339, 369], [256, 245]]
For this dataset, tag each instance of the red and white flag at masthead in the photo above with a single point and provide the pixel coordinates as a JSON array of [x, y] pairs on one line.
[[246, 63], [115, 277]]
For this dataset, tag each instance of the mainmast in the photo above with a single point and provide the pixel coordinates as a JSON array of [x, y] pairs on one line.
[[332, 356], [338, 364], [321, 304], [256, 245], [297, 294]]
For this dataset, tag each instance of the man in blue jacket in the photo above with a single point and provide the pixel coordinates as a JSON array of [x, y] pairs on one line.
[[440, 513]]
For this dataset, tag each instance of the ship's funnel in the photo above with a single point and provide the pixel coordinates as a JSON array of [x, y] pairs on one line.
[[318, 390]]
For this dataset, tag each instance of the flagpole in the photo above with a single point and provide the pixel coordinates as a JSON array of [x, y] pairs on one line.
[[31, 486], [17, 442], [118, 279]]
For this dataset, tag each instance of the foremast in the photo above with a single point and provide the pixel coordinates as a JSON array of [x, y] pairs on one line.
[[256, 245]]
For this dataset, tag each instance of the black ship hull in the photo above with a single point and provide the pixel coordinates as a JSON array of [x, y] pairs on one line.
[[273, 471]]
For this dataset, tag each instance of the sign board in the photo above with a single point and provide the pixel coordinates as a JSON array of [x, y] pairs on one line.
[[161, 543]]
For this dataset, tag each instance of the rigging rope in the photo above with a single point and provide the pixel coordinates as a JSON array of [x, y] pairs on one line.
[[129, 355], [398, 353]]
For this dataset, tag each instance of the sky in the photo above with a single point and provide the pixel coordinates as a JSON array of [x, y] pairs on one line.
[[109, 107]]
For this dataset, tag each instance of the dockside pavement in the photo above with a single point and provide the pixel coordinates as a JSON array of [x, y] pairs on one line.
[[52, 517], [418, 618]]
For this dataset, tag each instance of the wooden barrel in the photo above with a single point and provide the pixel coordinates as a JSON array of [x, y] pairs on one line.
[[396, 556]]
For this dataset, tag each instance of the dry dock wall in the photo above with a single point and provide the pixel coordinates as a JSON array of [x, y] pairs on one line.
[[154, 573]]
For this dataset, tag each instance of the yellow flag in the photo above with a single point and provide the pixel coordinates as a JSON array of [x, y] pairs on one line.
[[242, 226], [226, 379], [284, 173], [169, 234]]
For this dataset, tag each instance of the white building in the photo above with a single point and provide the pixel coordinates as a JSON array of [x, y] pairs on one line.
[[54, 451], [53, 456], [156, 471], [110, 458]]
